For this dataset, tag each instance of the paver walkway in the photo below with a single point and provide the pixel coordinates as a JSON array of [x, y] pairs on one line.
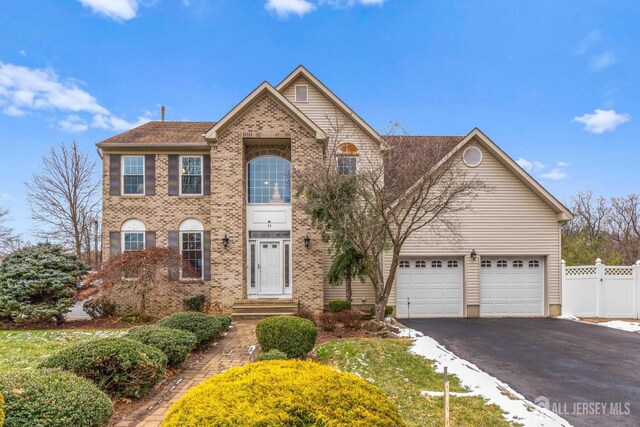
[[235, 349]]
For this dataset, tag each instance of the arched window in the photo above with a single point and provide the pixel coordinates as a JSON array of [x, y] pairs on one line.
[[404, 264], [268, 180], [347, 158], [191, 247], [452, 264], [132, 235], [436, 264], [485, 263], [517, 263], [421, 264]]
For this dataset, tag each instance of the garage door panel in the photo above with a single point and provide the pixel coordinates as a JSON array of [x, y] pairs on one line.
[[433, 286], [511, 286]]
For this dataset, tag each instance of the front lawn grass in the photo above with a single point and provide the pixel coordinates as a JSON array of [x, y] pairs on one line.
[[25, 349], [402, 376]]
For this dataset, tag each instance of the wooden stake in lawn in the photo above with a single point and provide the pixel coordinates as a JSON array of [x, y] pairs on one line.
[[446, 398]]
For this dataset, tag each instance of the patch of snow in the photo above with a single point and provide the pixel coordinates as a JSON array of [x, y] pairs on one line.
[[568, 317], [409, 333], [515, 406], [622, 325]]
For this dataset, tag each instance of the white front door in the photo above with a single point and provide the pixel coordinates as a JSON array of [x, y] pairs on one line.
[[269, 268]]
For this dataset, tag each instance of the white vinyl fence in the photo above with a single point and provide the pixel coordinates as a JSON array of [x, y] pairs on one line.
[[601, 291]]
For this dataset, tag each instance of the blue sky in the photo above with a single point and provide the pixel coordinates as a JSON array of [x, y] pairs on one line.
[[555, 84]]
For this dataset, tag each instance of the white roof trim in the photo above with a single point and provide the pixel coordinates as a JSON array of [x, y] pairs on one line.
[[212, 134], [301, 71], [564, 214]]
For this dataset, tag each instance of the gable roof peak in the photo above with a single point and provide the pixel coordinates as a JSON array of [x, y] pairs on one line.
[[264, 87], [301, 70]]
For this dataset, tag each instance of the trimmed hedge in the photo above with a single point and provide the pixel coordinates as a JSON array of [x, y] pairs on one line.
[[283, 393], [339, 305], [120, 366], [51, 397], [225, 321], [292, 335], [388, 311], [174, 343], [206, 328], [272, 355]]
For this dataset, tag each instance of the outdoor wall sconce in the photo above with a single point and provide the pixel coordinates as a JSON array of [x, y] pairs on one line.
[[225, 241], [307, 241], [473, 254]]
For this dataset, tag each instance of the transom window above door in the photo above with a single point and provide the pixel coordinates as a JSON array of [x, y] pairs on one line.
[[268, 180], [191, 175]]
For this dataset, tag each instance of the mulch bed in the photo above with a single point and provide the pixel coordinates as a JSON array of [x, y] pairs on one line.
[[93, 324], [341, 332]]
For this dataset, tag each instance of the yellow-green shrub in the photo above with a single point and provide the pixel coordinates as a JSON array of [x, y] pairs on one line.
[[1, 411], [283, 393]]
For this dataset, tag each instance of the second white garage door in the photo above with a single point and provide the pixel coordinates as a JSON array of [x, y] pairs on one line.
[[432, 285], [511, 286]]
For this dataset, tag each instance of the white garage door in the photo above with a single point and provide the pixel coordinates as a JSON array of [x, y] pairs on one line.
[[512, 286], [432, 285]]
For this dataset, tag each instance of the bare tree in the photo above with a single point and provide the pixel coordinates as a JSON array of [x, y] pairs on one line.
[[414, 186], [64, 199], [140, 271], [6, 232], [624, 225]]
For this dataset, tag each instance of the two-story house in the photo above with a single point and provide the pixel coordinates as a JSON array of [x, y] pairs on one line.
[[220, 194]]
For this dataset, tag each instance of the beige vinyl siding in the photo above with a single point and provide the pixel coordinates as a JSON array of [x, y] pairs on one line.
[[362, 292], [508, 220], [325, 114]]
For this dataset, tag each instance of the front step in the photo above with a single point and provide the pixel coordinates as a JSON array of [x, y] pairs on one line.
[[259, 308]]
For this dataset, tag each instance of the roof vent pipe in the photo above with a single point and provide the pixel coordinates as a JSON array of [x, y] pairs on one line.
[[162, 108]]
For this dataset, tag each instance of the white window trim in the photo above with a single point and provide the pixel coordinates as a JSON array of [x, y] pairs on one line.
[[349, 156], [144, 238], [201, 177], [144, 178], [295, 93], [192, 279], [465, 160], [246, 171]]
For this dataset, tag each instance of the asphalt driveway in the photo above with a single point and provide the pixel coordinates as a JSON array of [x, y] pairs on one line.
[[577, 367]]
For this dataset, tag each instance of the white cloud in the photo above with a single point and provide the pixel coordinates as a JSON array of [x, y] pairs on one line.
[[525, 164], [554, 174], [529, 165], [23, 52], [284, 8], [5, 197], [118, 10], [24, 90], [602, 120], [602, 61], [588, 42], [538, 168], [118, 124], [73, 123]]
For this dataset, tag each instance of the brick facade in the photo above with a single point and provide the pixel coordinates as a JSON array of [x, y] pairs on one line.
[[223, 212]]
